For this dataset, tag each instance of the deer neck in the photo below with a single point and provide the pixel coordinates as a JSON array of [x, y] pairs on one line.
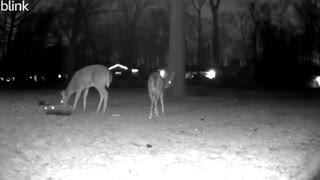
[[68, 92]]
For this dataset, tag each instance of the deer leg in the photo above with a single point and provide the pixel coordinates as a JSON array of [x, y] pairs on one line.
[[161, 101], [85, 94], [100, 102], [78, 93], [105, 102], [156, 106], [151, 107]]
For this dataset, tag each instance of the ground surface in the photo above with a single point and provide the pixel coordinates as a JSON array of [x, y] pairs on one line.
[[222, 134]]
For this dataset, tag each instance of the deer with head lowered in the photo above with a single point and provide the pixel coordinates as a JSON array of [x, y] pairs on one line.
[[157, 83], [97, 76]]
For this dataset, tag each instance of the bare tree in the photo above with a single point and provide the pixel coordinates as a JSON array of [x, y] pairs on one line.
[[132, 9], [177, 47], [153, 38], [11, 20], [214, 6], [197, 6], [76, 20], [254, 12], [308, 15], [244, 29], [260, 13]]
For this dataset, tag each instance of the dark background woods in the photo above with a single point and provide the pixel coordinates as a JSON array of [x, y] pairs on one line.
[[269, 43]]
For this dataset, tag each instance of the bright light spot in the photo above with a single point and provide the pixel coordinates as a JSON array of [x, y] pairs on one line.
[[211, 74], [118, 65], [118, 73], [30, 77], [59, 76], [315, 82], [162, 73], [13, 78], [134, 70], [8, 79], [317, 79], [35, 78], [1, 78]]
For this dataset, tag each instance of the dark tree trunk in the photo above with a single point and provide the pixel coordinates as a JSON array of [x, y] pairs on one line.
[[215, 41], [199, 53], [255, 20], [198, 5], [4, 40], [214, 5], [177, 47], [255, 48], [8, 45]]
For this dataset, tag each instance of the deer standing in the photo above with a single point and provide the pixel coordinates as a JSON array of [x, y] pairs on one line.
[[97, 76], [157, 84]]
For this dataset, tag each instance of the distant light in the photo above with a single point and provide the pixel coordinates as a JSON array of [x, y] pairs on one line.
[[59, 76], [317, 79], [118, 73], [211, 74], [13, 78], [118, 65], [315, 82], [9, 79], [190, 75], [30, 77], [134, 70], [1, 78], [35, 78]]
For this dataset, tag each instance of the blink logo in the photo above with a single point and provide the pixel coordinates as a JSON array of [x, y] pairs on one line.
[[11, 5]]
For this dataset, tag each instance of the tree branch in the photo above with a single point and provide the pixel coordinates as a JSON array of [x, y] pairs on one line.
[[26, 12]]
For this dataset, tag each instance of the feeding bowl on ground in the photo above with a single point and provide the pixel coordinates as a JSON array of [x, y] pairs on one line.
[[58, 110]]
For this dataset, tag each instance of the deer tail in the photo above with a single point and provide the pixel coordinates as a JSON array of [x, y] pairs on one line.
[[109, 79]]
